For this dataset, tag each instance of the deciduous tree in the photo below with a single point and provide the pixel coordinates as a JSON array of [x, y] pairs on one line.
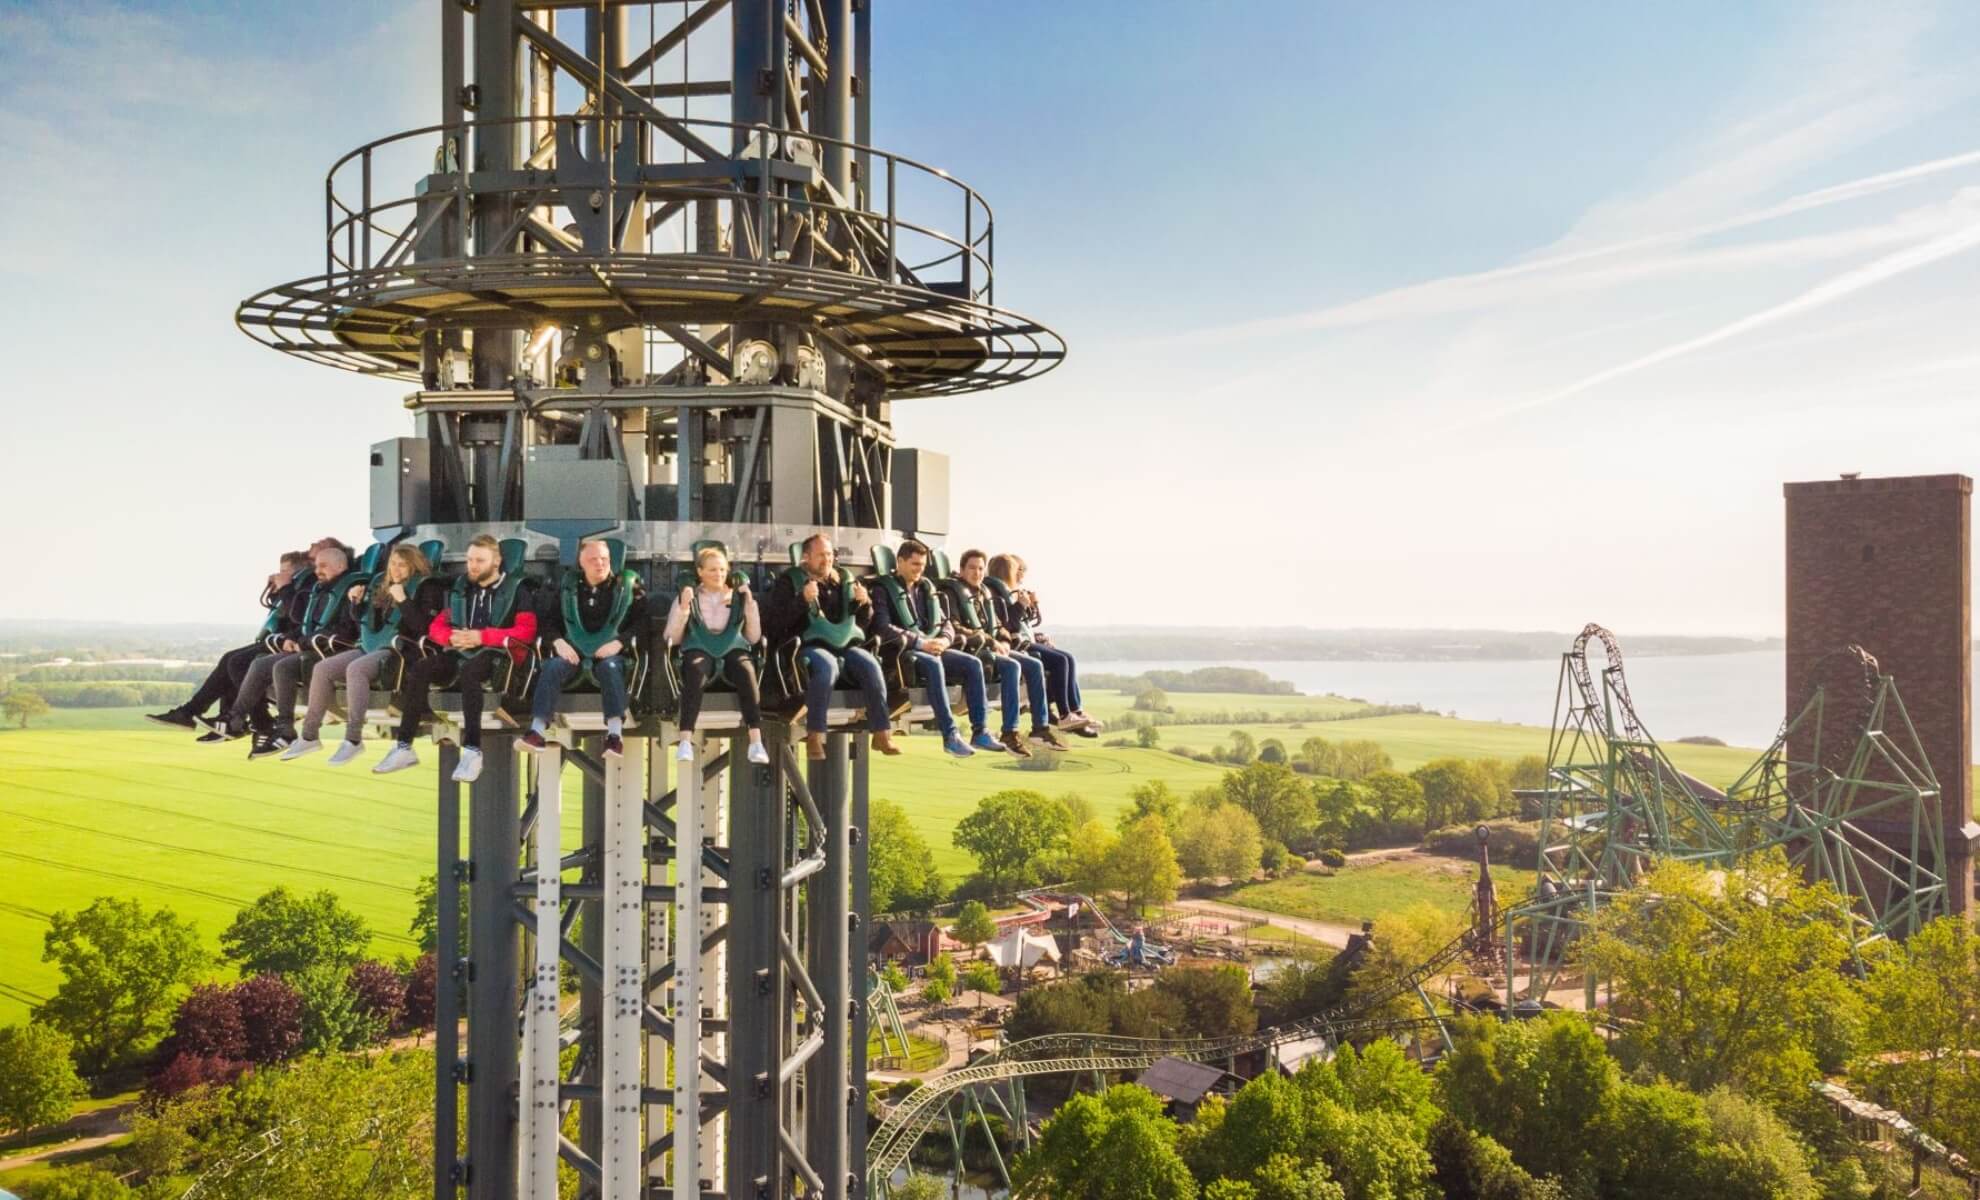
[[974, 925], [899, 862], [1009, 832], [38, 1084], [23, 705], [1277, 797], [282, 934], [123, 969], [1142, 864]]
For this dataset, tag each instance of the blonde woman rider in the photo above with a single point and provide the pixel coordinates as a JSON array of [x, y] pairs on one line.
[[715, 626], [1017, 612], [388, 605]]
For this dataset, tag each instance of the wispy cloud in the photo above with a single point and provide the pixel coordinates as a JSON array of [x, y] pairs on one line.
[[1890, 266], [1604, 265]]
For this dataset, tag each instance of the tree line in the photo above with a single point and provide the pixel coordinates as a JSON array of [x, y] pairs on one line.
[[1736, 992], [1264, 816]]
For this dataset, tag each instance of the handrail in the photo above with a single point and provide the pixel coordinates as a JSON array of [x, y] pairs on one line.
[[352, 211]]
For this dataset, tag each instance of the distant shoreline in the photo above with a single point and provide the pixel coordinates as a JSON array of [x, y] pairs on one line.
[[1123, 643]]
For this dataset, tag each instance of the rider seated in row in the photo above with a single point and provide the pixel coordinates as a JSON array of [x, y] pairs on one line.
[[979, 632], [822, 608], [316, 609], [487, 618], [590, 623], [715, 625], [910, 616], [1017, 611], [223, 682], [398, 601]]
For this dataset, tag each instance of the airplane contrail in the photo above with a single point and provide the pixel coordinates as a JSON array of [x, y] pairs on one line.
[[1829, 290], [1397, 301]]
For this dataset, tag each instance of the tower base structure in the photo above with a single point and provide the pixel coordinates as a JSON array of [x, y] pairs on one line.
[[670, 948]]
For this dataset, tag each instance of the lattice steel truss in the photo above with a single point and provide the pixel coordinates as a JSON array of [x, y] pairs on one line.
[[1844, 791], [711, 923]]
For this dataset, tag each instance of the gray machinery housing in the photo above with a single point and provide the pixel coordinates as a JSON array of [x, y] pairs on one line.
[[649, 279]]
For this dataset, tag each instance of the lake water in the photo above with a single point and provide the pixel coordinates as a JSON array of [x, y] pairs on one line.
[[1739, 698]]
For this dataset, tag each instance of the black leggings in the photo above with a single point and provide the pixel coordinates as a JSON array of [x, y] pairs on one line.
[[440, 670], [737, 668]]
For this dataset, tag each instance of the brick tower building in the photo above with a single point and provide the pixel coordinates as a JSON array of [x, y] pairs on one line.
[[1887, 564]]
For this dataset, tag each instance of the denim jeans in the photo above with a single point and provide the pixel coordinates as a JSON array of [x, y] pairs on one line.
[[609, 673], [1061, 673], [860, 667], [1009, 666], [968, 671]]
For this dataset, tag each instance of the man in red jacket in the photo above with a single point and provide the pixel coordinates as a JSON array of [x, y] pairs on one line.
[[488, 616]]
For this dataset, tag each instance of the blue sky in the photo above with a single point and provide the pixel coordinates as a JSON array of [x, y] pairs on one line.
[[1502, 315]]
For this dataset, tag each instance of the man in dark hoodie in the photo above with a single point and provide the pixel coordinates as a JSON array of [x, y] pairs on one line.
[[319, 607], [223, 682]]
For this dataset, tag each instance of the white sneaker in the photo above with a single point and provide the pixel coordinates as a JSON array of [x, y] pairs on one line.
[[398, 758], [759, 754], [684, 752], [469, 769], [300, 747], [346, 751]]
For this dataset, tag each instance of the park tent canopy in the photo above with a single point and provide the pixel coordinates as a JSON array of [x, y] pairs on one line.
[[1022, 949]]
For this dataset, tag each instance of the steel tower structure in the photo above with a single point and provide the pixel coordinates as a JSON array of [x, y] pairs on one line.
[[651, 281]]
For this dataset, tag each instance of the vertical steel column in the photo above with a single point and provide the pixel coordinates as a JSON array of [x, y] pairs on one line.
[[827, 898], [623, 1164], [835, 118], [660, 854], [591, 940], [494, 847], [752, 35], [861, 902], [497, 80], [714, 968], [862, 125], [758, 992], [688, 984], [538, 1112], [448, 972]]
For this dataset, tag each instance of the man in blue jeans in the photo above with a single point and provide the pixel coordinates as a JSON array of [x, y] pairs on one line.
[[819, 605], [911, 615], [592, 618]]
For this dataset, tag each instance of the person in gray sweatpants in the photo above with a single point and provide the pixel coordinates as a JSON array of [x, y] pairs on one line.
[[393, 610]]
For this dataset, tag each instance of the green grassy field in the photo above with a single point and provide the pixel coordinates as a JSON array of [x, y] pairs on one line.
[[1358, 892], [96, 802]]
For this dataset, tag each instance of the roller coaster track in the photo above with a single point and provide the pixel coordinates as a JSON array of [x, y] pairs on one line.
[[1844, 792], [1077, 1053]]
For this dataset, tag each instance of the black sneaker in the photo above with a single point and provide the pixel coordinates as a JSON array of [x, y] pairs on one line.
[[229, 729], [615, 747], [210, 724], [266, 744], [174, 718], [212, 738]]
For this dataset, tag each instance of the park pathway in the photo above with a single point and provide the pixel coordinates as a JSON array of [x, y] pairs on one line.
[[1320, 931]]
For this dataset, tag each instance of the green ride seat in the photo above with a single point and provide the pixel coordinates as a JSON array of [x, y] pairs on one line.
[[566, 581], [666, 681]]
